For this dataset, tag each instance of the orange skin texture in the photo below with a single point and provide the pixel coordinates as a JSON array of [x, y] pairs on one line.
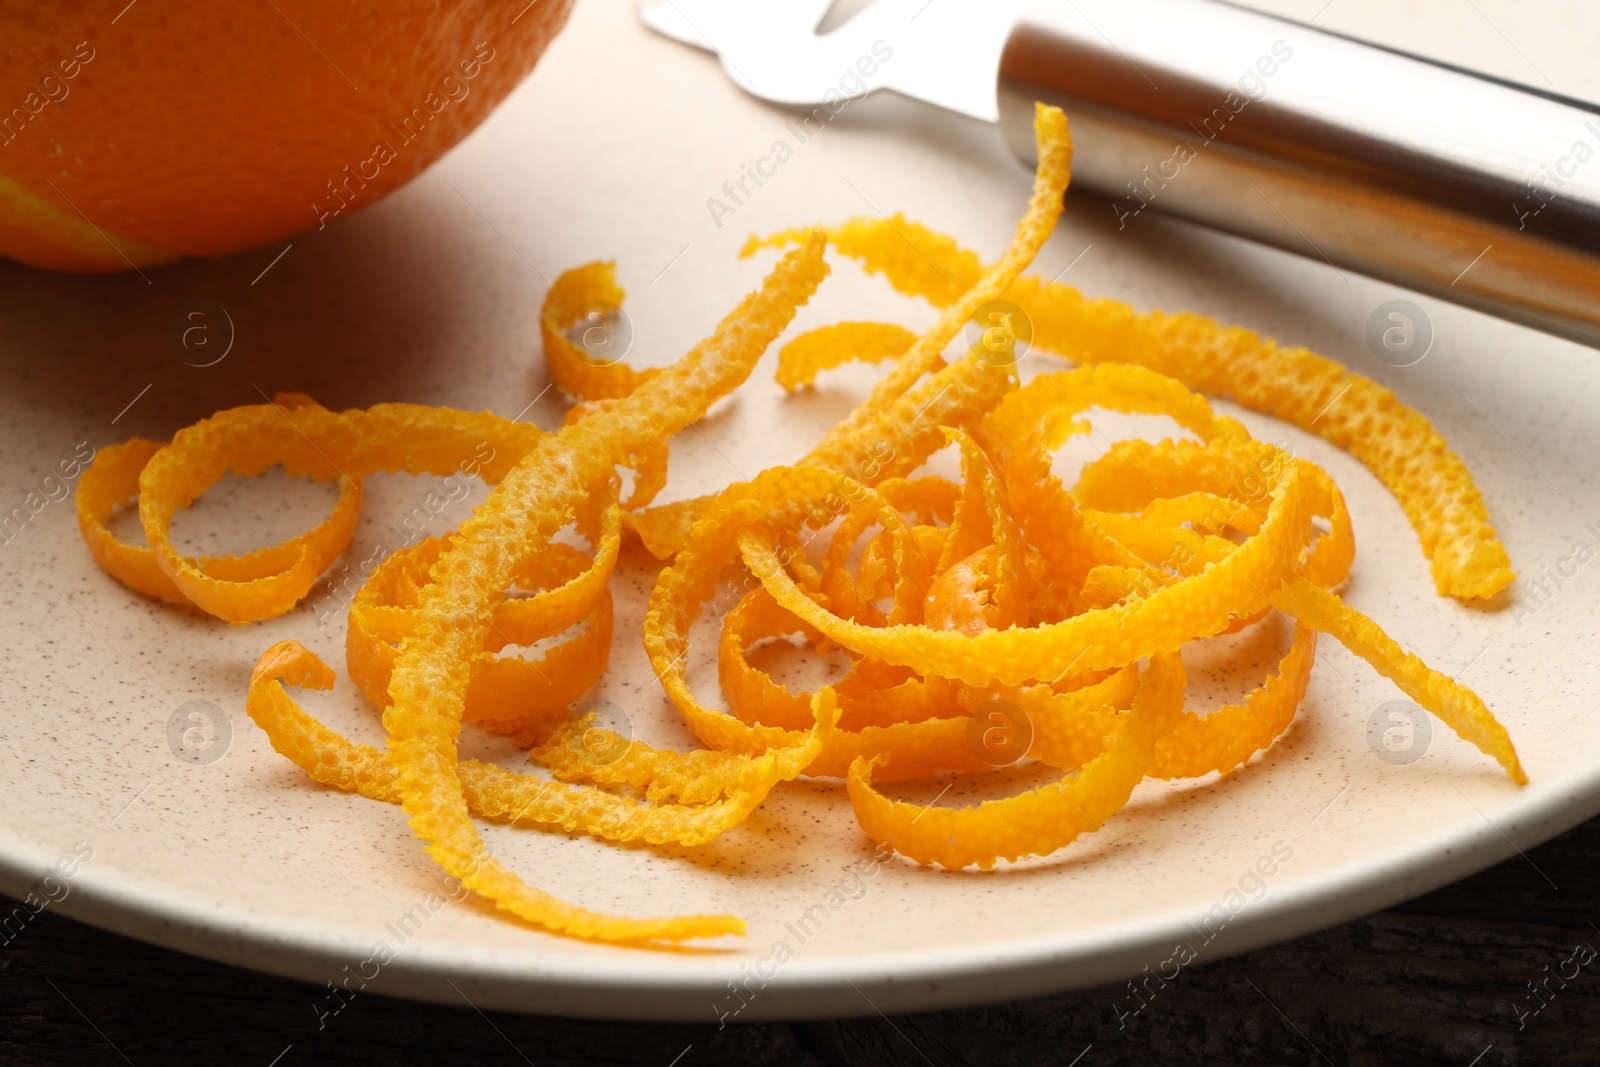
[[201, 129]]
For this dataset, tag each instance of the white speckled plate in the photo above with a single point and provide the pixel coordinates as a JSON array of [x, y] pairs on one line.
[[611, 150]]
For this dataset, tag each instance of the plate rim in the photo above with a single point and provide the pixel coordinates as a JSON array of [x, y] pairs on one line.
[[931, 979]]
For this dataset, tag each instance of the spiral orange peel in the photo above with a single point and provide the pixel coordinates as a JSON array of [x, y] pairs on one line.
[[1395, 441], [1003, 603]]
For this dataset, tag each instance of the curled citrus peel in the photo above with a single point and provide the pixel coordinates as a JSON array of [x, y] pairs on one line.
[[1001, 604], [1040, 820], [428, 685], [504, 796], [113, 481], [583, 299], [507, 694], [307, 440], [801, 360], [900, 424], [1396, 442]]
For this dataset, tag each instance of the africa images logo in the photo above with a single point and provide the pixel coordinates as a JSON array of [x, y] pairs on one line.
[[1252, 84], [345, 188]]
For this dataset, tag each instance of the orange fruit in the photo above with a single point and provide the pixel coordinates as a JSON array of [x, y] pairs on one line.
[[135, 136]]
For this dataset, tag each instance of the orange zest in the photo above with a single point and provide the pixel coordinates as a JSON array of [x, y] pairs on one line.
[[988, 619]]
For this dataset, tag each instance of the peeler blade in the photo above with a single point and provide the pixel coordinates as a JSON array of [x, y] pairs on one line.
[[943, 52]]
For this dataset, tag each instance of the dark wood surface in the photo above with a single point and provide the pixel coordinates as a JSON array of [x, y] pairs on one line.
[[1445, 979]]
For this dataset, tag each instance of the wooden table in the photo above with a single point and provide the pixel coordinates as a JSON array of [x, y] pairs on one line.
[[1444, 979]]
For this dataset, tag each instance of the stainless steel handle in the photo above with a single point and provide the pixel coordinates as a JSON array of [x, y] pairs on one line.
[[1449, 183]]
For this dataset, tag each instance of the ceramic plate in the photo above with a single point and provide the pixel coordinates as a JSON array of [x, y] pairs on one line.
[[129, 761]]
